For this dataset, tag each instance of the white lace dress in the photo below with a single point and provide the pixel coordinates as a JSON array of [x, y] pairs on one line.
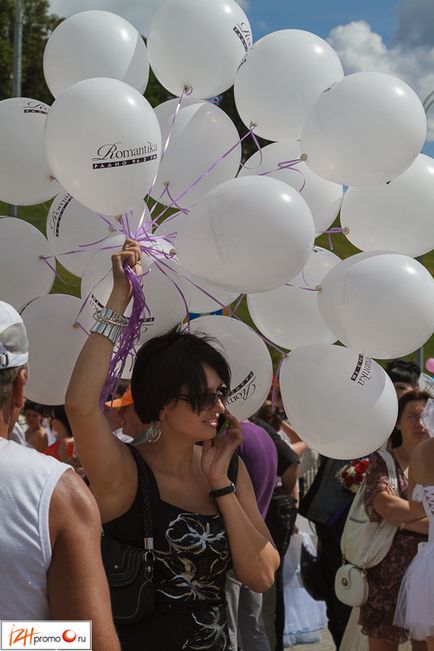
[[415, 605]]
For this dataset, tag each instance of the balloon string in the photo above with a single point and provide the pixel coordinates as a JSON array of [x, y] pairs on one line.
[[207, 172], [305, 289], [129, 337], [157, 202], [223, 306], [159, 266], [334, 231], [107, 221], [238, 303], [77, 324], [54, 270], [84, 246], [187, 90], [204, 291]]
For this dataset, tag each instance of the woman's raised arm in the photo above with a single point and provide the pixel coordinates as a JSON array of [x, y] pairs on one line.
[[106, 460]]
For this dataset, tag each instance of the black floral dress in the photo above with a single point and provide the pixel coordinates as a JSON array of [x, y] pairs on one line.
[[376, 616], [192, 558]]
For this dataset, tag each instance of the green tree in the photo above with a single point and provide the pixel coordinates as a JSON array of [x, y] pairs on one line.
[[38, 24]]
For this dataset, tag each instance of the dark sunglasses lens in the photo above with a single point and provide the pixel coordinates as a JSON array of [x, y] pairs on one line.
[[209, 400]]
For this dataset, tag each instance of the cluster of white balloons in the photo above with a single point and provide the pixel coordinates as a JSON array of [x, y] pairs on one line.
[[100, 149]]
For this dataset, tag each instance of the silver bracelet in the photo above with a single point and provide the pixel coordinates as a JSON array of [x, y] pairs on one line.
[[109, 316], [109, 330]]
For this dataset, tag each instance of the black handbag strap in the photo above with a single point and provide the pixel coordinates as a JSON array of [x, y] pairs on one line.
[[143, 479]]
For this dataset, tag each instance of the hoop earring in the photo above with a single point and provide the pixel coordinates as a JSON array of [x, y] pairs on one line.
[[152, 433]]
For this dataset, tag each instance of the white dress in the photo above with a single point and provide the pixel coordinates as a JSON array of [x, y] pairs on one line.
[[415, 605], [304, 617]]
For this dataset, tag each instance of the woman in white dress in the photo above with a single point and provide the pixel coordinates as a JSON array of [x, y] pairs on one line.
[[415, 606]]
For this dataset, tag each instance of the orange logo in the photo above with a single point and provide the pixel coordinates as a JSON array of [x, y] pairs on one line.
[[24, 635], [68, 635]]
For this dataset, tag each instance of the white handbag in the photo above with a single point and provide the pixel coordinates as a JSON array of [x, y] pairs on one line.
[[351, 585], [364, 544]]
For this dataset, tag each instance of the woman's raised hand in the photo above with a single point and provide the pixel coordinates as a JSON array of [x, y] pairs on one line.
[[129, 255], [217, 453]]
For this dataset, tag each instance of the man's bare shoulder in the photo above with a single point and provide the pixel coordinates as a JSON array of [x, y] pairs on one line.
[[72, 504]]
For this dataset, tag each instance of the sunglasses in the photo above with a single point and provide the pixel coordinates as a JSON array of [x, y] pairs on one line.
[[209, 400]]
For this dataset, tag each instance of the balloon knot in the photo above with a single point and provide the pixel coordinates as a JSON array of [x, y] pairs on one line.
[[303, 157], [345, 230]]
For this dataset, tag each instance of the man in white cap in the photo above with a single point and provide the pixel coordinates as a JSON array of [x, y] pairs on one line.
[[50, 562]]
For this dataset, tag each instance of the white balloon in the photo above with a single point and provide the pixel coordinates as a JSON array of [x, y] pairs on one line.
[[364, 130], [202, 128], [74, 232], [379, 303], [24, 275], [395, 216], [201, 295], [323, 197], [248, 358], [340, 403], [54, 345], [112, 139], [165, 306], [226, 237], [25, 176], [198, 43], [95, 44], [289, 315], [280, 80]]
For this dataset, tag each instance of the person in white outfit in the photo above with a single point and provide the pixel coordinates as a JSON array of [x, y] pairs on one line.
[[415, 606], [50, 562]]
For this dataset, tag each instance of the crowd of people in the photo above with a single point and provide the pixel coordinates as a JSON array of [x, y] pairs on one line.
[[203, 508]]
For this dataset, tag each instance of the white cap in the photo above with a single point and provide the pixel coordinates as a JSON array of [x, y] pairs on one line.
[[14, 345]]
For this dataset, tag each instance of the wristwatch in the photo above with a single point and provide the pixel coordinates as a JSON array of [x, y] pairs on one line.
[[219, 492]]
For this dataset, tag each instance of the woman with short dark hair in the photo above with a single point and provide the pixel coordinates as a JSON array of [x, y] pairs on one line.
[[203, 523], [384, 579]]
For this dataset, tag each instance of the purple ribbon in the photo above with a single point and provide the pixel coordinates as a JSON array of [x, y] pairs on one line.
[[129, 337]]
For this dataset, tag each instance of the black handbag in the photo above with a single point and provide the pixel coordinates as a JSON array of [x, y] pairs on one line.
[[130, 569], [312, 575]]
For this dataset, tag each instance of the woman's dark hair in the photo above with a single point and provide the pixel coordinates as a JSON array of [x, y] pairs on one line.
[[34, 406], [171, 364], [410, 396], [401, 371], [58, 411], [271, 416]]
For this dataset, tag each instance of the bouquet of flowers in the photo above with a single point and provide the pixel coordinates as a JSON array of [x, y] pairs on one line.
[[351, 475]]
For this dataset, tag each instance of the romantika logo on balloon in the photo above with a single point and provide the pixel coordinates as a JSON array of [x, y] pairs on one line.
[[57, 214], [242, 30], [113, 155], [244, 390], [362, 372], [36, 107]]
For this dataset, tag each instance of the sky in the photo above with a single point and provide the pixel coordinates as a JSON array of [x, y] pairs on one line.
[[394, 36]]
